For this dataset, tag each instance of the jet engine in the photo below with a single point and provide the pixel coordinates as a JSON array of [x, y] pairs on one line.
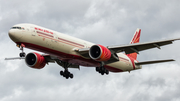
[[35, 60], [99, 53]]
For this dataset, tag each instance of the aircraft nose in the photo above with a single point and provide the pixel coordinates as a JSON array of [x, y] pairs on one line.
[[14, 35], [10, 33]]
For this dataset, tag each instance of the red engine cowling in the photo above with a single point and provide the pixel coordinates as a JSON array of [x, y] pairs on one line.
[[35, 60], [99, 53]]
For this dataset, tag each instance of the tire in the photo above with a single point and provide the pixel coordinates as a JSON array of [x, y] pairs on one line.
[[23, 54], [61, 73], [97, 69], [107, 72], [103, 69], [71, 76], [67, 77], [20, 55]]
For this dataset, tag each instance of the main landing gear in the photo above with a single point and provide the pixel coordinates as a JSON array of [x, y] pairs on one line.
[[102, 70], [65, 73]]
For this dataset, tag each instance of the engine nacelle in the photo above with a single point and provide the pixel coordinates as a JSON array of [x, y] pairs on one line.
[[35, 60], [99, 53]]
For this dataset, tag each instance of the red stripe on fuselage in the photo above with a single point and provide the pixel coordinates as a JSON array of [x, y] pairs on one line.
[[63, 56], [45, 34], [59, 39], [75, 59], [66, 42], [71, 42]]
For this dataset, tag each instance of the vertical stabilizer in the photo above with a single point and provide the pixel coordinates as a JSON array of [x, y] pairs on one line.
[[135, 39]]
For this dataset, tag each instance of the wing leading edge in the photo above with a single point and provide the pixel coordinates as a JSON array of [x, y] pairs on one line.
[[137, 47], [153, 62]]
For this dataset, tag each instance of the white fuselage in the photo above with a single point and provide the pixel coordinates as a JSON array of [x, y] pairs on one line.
[[63, 46]]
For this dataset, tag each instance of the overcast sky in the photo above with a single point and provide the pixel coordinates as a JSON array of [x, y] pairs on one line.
[[106, 22]]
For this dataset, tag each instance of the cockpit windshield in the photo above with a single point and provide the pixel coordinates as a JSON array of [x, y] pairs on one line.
[[17, 28]]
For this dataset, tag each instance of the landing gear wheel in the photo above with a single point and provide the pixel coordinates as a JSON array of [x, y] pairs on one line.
[[97, 69], [71, 76], [67, 77], [61, 73], [102, 73], [106, 71], [65, 64], [102, 70], [66, 74], [22, 54]]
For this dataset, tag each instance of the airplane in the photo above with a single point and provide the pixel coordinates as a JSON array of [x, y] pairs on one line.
[[71, 52]]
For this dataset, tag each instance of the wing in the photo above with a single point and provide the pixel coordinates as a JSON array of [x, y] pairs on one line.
[[49, 59], [155, 61], [53, 59], [131, 48], [15, 58]]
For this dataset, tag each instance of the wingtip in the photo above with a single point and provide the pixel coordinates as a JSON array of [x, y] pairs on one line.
[[173, 60], [154, 62], [177, 39]]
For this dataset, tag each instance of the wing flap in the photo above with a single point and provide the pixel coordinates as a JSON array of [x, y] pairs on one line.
[[83, 52], [153, 62], [59, 62]]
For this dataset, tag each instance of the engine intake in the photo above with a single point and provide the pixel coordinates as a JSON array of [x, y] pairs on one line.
[[35, 60], [99, 53]]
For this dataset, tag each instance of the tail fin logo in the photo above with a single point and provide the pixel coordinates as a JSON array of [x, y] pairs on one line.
[[136, 36], [135, 39]]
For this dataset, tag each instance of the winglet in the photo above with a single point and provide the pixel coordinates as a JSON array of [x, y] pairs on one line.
[[135, 39]]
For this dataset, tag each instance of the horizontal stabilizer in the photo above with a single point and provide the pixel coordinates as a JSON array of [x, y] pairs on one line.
[[153, 62], [14, 58]]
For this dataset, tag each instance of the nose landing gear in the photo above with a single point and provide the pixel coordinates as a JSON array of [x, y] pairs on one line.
[[22, 54], [21, 46]]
